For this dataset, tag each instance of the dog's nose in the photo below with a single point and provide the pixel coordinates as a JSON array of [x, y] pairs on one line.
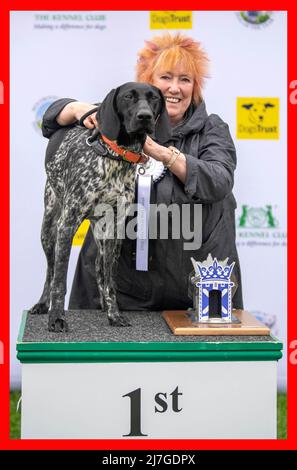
[[144, 116]]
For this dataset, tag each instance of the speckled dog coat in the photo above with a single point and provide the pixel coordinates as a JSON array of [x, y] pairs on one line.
[[82, 175]]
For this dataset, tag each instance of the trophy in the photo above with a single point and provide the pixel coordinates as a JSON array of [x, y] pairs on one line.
[[212, 285]]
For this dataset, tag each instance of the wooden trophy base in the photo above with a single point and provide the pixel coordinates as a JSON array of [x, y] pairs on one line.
[[180, 323]]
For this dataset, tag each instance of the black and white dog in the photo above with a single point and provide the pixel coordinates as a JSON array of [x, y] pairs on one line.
[[85, 172]]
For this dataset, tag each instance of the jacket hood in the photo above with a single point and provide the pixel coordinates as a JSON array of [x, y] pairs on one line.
[[192, 123]]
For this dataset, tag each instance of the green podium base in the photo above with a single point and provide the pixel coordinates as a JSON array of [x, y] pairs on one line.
[[100, 382]]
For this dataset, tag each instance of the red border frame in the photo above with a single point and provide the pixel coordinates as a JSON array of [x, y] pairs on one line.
[[5, 442]]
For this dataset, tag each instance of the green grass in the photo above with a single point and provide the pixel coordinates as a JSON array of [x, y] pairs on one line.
[[282, 416], [15, 417]]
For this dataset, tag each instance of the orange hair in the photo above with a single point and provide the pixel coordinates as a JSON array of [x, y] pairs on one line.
[[166, 52]]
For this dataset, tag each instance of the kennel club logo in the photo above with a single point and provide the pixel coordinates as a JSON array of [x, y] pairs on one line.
[[69, 21], [258, 118], [39, 109], [259, 227], [257, 217], [255, 18]]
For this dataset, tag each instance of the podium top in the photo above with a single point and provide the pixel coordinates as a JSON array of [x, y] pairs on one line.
[[92, 339]]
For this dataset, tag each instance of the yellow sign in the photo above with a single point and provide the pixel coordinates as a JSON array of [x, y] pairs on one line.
[[171, 19], [79, 237], [257, 118]]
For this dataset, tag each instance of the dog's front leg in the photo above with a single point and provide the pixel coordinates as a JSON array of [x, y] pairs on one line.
[[57, 320], [52, 211]]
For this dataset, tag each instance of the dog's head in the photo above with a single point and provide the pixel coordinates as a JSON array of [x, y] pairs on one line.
[[131, 112], [257, 111]]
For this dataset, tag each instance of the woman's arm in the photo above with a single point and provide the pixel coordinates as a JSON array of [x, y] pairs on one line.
[[209, 176], [73, 111], [65, 112]]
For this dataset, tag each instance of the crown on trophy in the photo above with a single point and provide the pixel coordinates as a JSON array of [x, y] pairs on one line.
[[214, 271]]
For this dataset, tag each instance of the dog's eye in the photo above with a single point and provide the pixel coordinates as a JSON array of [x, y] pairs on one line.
[[129, 96], [154, 97]]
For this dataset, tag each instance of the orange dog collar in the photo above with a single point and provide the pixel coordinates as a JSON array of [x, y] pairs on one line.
[[125, 154]]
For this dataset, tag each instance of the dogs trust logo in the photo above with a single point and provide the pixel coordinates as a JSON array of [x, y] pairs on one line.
[[39, 109], [254, 18], [258, 118], [171, 20]]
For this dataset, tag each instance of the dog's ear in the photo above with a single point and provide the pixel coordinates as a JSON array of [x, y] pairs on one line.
[[247, 106], [162, 127], [108, 120]]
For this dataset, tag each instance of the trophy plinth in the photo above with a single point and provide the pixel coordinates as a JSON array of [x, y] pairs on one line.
[[242, 323], [212, 320]]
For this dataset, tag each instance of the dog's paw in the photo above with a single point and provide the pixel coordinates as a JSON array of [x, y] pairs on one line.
[[39, 309], [118, 321], [58, 325]]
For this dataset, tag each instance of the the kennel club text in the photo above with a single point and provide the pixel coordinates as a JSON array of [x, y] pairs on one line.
[[163, 402]]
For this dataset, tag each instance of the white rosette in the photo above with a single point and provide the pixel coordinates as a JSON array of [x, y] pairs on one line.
[[152, 168]]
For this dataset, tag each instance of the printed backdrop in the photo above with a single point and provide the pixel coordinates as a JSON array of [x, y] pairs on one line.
[[83, 55]]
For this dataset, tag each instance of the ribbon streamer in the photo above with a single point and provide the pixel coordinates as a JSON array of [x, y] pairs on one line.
[[143, 213]]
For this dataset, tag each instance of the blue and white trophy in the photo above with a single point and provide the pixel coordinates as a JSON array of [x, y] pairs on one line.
[[212, 285], [212, 290]]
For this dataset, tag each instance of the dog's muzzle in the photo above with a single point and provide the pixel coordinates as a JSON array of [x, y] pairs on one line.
[[143, 122]]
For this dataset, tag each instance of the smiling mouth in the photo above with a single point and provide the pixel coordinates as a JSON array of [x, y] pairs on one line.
[[170, 99]]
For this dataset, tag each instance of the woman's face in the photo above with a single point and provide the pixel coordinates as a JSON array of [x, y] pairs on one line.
[[177, 86]]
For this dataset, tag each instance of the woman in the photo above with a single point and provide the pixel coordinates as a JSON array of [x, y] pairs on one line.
[[202, 173]]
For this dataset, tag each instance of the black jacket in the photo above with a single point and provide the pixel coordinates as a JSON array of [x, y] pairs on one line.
[[211, 161]]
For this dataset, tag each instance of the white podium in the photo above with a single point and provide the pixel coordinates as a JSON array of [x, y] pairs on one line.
[[99, 382]]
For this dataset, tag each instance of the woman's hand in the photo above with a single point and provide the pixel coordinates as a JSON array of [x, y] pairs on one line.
[[74, 111], [164, 155], [156, 151], [90, 122]]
